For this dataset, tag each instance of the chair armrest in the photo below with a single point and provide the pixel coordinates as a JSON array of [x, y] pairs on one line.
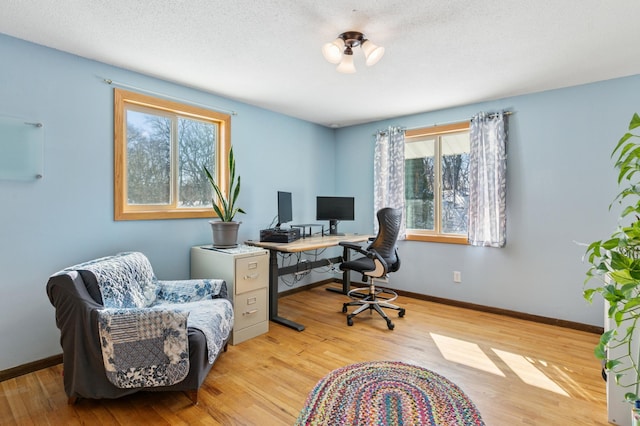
[[353, 246], [76, 315], [373, 254], [380, 264], [182, 291], [350, 245]]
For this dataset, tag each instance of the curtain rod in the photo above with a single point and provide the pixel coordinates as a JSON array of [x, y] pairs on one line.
[[128, 86], [490, 115]]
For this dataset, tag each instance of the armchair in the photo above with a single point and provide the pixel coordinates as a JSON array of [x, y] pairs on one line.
[[378, 259], [123, 330]]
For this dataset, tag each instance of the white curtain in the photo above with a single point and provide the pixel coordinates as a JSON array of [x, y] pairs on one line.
[[487, 176], [388, 187]]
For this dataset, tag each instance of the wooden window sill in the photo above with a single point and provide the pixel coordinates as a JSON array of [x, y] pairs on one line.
[[448, 239]]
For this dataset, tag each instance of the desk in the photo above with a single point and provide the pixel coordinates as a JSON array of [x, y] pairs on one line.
[[309, 243]]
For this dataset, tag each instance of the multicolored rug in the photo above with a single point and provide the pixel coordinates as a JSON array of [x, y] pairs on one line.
[[387, 393]]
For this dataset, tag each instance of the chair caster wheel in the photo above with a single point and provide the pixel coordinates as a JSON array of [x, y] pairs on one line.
[[390, 325], [401, 313], [349, 322], [344, 308]]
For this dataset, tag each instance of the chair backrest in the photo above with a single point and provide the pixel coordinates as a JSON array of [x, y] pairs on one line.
[[389, 220]]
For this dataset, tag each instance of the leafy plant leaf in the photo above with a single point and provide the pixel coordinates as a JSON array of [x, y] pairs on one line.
[[225, 207], [635, 121]]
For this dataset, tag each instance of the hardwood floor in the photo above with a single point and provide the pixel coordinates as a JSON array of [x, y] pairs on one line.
[[515, 371]]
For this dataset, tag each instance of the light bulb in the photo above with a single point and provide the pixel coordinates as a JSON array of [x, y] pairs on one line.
[[332, 52], [372, 53], [346, 66]]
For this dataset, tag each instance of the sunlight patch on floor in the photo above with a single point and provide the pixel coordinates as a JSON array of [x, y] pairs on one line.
[[528, 372], [470, 354], [466, 353]]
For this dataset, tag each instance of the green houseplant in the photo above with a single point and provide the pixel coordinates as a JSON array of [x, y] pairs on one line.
[[225, 230], [616, 262]]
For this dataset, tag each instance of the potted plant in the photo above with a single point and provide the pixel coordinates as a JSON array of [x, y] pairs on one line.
[[225, 230], [616, 261]]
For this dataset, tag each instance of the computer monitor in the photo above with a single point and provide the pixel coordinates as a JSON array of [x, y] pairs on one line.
[[334, 209], [285, 210]]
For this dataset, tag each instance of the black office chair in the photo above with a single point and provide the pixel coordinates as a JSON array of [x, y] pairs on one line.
[[379, 258]]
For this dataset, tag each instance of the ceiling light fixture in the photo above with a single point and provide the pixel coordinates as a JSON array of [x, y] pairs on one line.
[[340, 51]]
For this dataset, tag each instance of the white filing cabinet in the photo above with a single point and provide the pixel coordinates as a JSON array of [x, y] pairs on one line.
[[246, 271]]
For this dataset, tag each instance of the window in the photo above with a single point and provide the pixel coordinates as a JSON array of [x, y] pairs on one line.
[[161, 147], [437, 183]]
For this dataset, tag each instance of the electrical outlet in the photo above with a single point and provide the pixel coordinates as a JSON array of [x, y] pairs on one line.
[[457, 276]]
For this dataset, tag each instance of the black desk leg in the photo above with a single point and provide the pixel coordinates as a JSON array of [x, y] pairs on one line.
[[346, 275], [273, 294]]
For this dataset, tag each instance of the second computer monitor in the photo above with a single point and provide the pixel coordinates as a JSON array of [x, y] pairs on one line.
[[335, 209], [285, 210]]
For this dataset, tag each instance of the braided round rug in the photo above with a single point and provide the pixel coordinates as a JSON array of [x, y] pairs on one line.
[[387, 393]]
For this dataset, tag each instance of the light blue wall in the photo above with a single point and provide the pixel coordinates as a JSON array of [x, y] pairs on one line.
[[67, 217], [561, 182]]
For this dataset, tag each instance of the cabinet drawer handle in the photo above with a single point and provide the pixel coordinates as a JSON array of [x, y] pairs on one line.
[[250, 312], [251, 276]]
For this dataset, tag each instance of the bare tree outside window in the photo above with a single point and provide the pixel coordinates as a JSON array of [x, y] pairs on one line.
[[455, 183], [196, 142], [148, 159], [420, 192]]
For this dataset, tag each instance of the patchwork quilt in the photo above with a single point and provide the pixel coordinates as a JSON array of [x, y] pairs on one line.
[[144, 347]]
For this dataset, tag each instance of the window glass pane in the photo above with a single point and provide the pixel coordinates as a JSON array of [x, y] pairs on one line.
[[420, 184], [455, 183], [197, 141], [148, 158]]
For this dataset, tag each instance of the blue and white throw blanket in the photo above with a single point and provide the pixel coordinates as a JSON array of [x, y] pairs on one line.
[[144, 347], [143, 328], [213, 318]]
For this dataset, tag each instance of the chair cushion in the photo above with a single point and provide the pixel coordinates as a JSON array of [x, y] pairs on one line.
[[362, 264], [214, 317]]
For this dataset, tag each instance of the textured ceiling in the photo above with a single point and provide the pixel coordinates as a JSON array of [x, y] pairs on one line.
[[267, 53]]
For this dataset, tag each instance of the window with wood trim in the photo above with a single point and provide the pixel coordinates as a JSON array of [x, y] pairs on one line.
[[161, 147], [437, 183]]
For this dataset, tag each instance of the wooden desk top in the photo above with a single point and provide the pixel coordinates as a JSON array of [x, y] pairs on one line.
[[309, 243]]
